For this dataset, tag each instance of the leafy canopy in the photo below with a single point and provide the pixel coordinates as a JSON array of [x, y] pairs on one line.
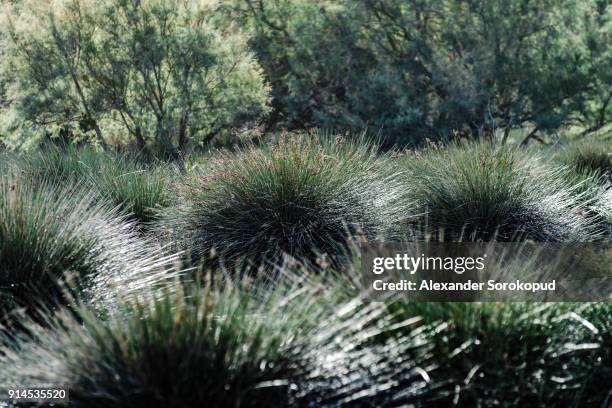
[[423, 69], [160, 71]]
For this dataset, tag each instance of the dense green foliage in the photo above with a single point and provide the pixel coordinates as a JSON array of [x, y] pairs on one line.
[[173, 75], [172, 353], [416, 70], [587, 164], [160, 71]]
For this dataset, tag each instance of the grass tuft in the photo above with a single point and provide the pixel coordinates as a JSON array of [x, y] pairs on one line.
[[302, 197], [593, 157], [479, 192], [226, 347], [49, 233], [521, 354], [136, 187]]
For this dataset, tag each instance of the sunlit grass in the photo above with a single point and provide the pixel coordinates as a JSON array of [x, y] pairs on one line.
[[302, 197], [302, 335], [483, 192], [231, 346], [49, 234]]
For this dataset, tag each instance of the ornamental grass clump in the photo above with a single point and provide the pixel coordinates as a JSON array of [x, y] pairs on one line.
[[481, 192], [301, 197], [592, 157], [206, 350], [227, 347], [51, 236], [521, 354], [588, 166], [136, 187], [139, 190]]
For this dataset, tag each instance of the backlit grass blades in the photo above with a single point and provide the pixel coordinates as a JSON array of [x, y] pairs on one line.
[[302, 197], [50, 234], [482, 192], [227, 347]]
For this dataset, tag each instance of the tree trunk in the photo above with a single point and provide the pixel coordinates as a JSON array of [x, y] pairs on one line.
[[139, 139], [532, 135], [99, 133], [88, 113], [601, 120], [506, 134], [164, 139], [182, 142]]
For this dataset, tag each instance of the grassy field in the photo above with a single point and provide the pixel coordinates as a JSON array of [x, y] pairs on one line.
[[231, 280]]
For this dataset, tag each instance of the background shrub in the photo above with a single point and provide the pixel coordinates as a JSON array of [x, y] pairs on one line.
[[154, 73], [300, 197], [433, 69]]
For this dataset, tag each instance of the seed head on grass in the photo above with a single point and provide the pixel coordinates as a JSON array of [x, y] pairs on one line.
[[302, 197], [482, 192]]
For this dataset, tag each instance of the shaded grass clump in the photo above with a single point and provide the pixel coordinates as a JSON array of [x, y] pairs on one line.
[[226, 347], [480, 192], [136, 187], [515, 354], [141, 191], [49, 234], [522, 354], [302, 197]]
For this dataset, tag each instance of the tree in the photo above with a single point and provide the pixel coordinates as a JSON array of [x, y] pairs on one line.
[[312, 57], [164, 72], [44, 65], [593, 110], [435, 68]]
